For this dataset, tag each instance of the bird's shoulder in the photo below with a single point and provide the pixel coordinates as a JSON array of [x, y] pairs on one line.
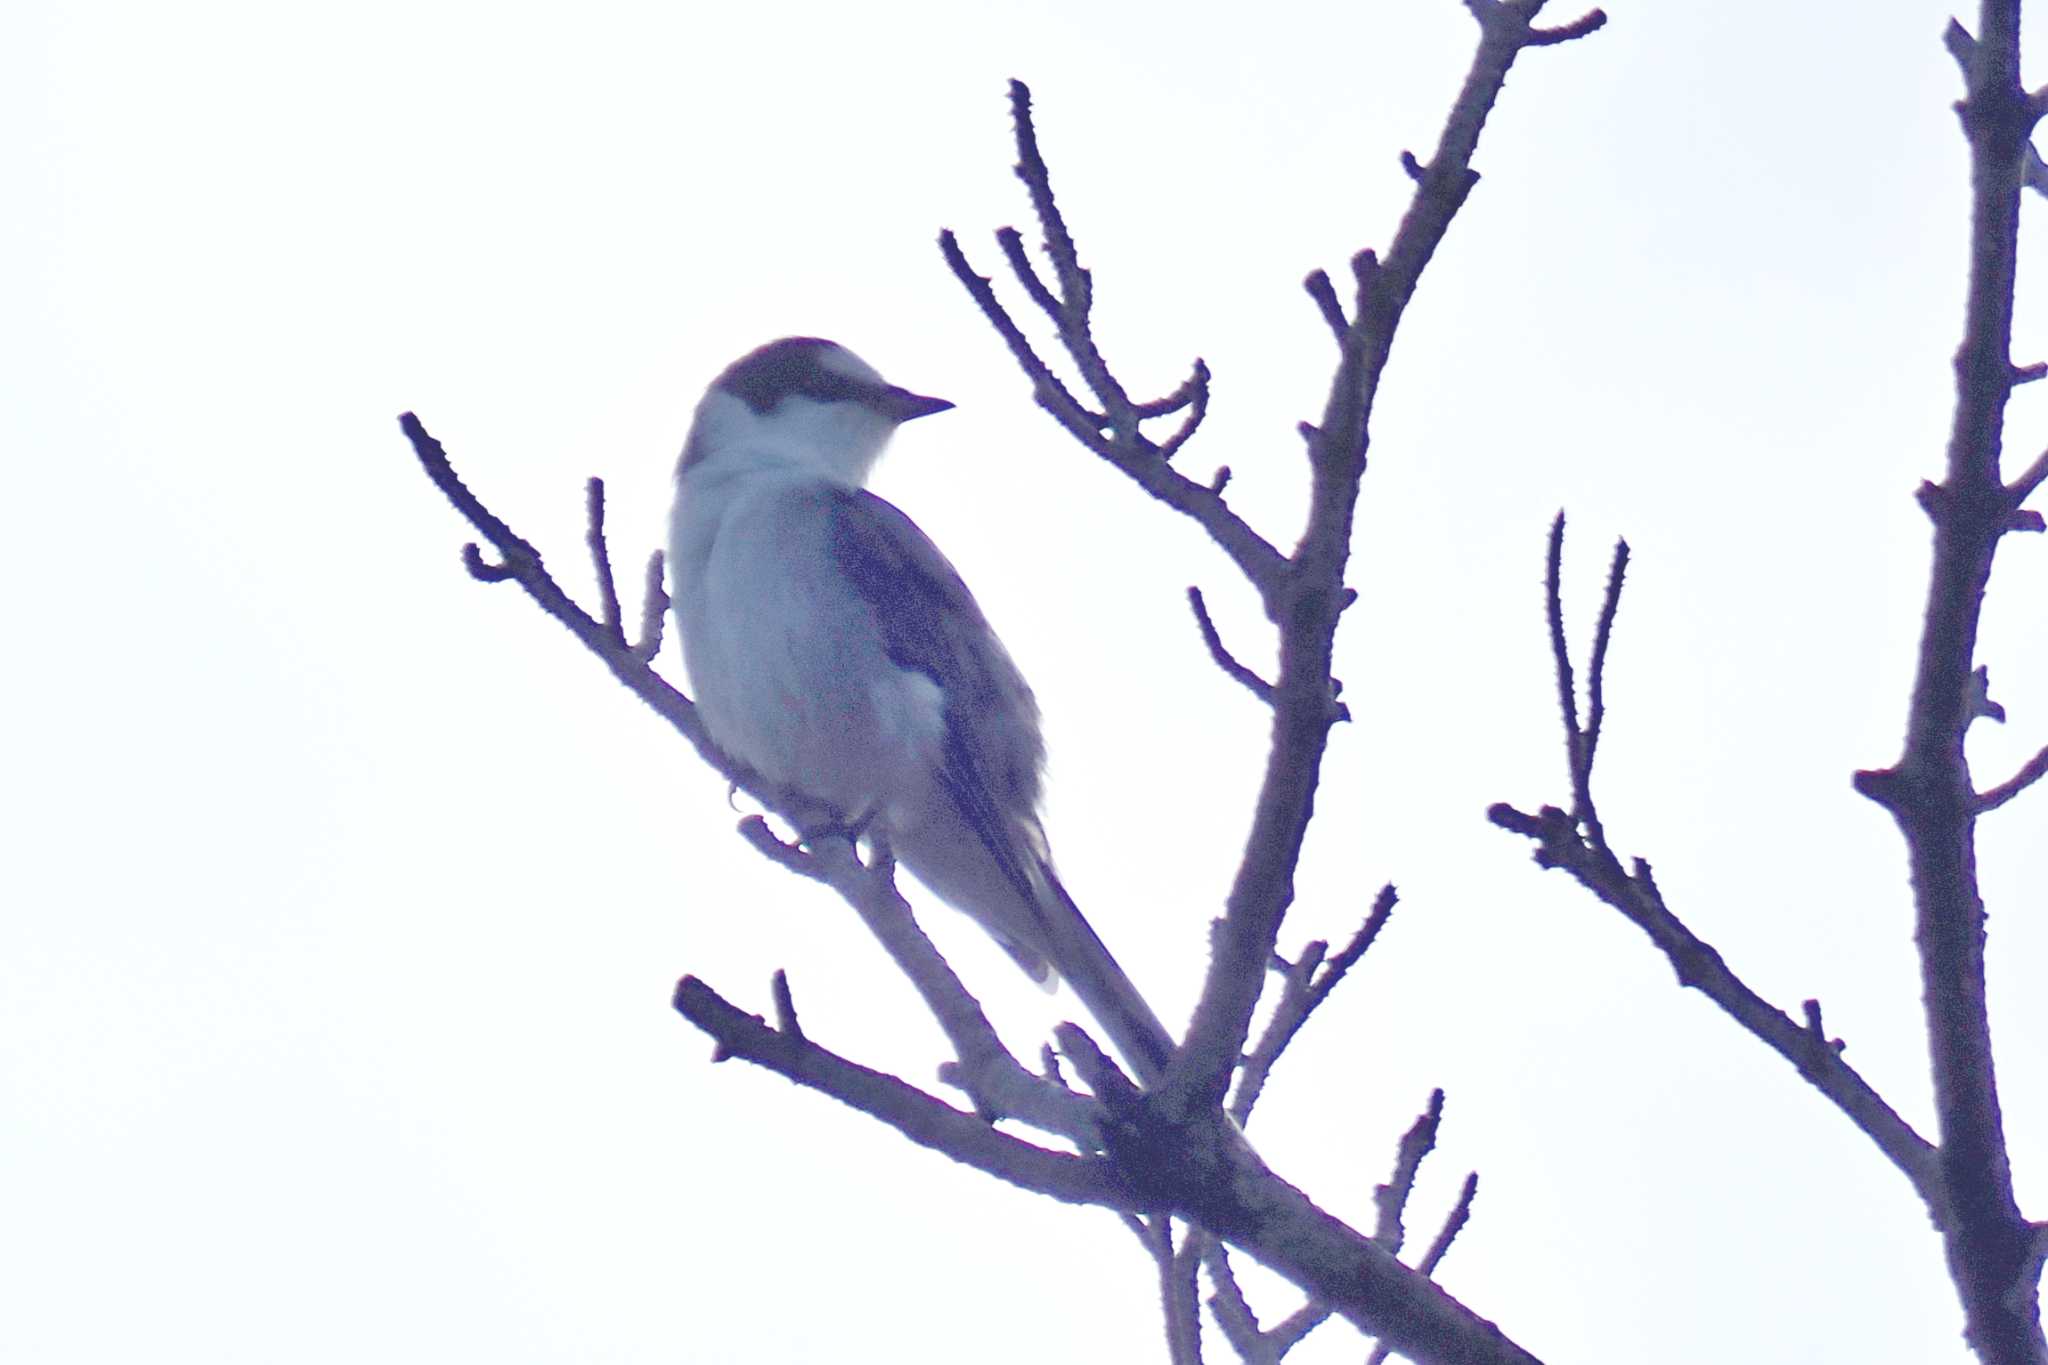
[[931, 625], [889, 557], [928, 618]]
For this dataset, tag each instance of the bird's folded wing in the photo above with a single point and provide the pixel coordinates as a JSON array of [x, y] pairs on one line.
[[930, 623]]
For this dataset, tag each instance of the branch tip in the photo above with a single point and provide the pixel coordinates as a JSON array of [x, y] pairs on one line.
[[785, 1006], [2030, 478], [1219, 652], [654, 603], [483, 571], [1933, 500], [1327, 303], [1454, 1223], [610, 616], [1592, 21], [2032, 771]]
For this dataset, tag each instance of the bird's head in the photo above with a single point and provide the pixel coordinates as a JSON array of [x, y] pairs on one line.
[[801, 401]]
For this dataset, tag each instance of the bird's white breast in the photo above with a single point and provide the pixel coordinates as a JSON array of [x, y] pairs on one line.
[[784, 657]]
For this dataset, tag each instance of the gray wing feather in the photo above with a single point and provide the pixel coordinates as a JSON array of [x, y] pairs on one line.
[[993, 754], [931, 624]]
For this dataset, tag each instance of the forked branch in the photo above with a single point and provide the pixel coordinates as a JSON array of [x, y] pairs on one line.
[[1577, 842]]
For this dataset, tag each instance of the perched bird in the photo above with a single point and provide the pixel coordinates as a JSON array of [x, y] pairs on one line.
[[834, 650]]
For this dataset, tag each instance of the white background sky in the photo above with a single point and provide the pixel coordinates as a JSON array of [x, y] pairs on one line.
[[343, 896]]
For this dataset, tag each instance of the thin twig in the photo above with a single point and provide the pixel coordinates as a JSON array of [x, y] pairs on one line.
[[1454, 1223], [1077, 287], [1699, 965], [1129, 450], [1290, 1330], [785, 1006], [924, 1119], [653, 611], [1197, 403], [1233, 1312], [1178, 1296], [1325, 295], [522, 563], [1460, 1214], [1191, 392], [2032, 771], [1218, 651], [1392, 1197], [609, 615], [1307, 985], [1012, 243], [1590, 22], [1596, 667], [1561, 658], [2022, 488], [1315, 593]]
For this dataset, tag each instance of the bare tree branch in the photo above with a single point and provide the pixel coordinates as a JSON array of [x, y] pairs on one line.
[[1315, 595], [1454, 1223], [1576, 842], [2032, 771], [1264, 1347], [1177, 1289], [1126, 448], [1201, 1168], [1596, 669], [1560, 844], [1306, 984], [2022, 488], [785, 1007], [924, 1119], [1582, 742], [601, 562], [1220, 652], [1929, 792], [1325, 295], [653, 611], [1392, 1197], [522, 563], [1561, 658]]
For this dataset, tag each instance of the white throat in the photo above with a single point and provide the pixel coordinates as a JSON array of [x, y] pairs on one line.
[[836, 441]]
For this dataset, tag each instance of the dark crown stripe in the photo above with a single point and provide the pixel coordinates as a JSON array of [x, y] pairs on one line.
[[765, 376]]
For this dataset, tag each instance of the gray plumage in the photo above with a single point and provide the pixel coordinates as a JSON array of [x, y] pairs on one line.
[[832, 647]]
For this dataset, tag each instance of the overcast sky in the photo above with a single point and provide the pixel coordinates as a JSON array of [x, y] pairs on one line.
[[344, 896]]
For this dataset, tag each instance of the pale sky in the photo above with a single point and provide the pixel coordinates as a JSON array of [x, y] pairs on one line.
[[344, 896]]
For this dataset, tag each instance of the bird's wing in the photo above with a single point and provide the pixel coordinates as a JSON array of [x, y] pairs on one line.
[[930, 624]]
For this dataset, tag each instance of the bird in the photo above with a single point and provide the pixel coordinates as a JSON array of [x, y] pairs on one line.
[[832, 648]]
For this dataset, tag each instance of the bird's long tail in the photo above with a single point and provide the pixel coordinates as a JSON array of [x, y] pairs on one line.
[[1085, 961]]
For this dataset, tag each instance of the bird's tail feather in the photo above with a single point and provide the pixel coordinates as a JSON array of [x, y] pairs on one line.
[[1086, 962], [1016, 848]]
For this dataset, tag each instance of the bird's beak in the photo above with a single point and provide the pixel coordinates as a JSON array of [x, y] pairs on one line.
[[903, 405]]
